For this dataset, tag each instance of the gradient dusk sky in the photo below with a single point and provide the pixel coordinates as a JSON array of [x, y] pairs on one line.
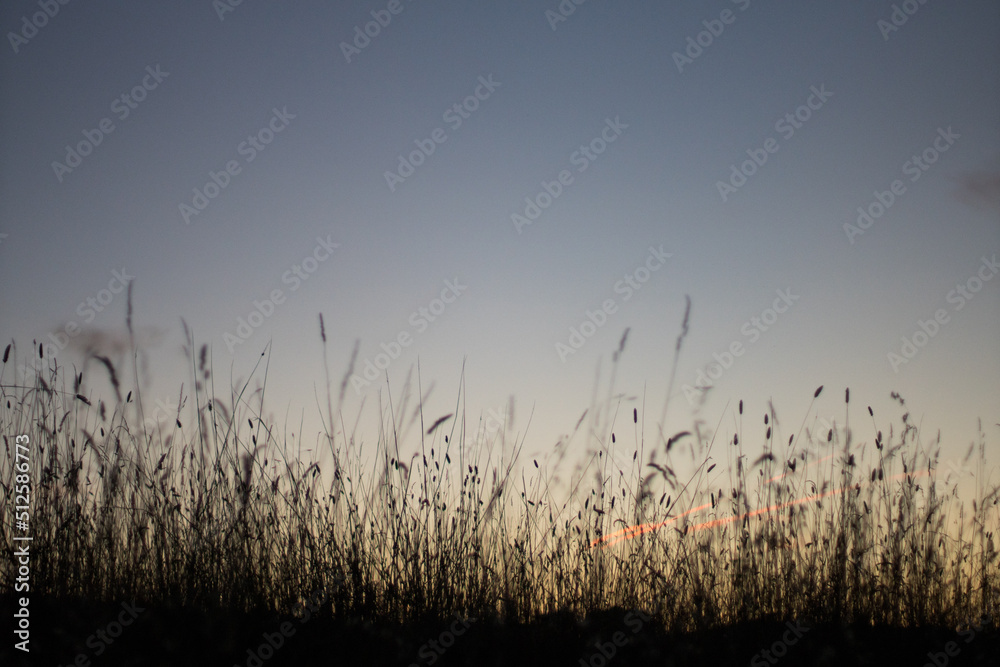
[[509, 168]]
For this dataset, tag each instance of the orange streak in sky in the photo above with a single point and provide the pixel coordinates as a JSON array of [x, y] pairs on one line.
[[797, 501], [634, 531], [781, 506]]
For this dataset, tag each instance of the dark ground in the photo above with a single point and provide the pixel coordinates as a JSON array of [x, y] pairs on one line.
[[68, 633]]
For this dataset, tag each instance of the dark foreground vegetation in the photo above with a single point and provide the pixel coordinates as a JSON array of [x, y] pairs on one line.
[[204, 538], [169, 637]]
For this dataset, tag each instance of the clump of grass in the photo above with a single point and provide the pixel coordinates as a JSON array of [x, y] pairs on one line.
[[215, 509]]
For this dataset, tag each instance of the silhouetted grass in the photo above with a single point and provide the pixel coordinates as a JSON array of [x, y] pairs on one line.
[[209, 509]]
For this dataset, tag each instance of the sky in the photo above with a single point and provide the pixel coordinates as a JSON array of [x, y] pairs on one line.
[[508, 187]]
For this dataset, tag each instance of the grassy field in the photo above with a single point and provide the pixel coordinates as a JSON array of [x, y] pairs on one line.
[[208, 536]]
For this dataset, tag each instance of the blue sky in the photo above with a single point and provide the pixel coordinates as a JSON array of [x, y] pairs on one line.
[[725, 143]]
